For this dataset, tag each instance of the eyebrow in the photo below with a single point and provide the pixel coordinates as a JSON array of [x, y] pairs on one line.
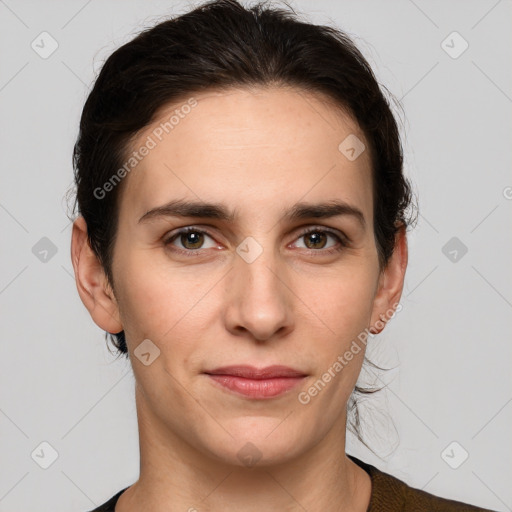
[[218, 211]]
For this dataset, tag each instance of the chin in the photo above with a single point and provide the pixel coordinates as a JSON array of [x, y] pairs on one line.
[[259, 441]]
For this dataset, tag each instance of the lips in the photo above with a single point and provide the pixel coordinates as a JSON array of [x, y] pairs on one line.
[[256, 383], [251, 372]]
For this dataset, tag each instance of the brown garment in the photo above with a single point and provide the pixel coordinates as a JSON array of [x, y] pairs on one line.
[[389, 494]]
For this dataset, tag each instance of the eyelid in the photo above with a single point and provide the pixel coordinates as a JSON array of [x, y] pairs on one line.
[[343, 239], [326, 229], [168, 238], [304, 231]]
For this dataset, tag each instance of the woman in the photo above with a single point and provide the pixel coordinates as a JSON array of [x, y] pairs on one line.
[[242, 233]]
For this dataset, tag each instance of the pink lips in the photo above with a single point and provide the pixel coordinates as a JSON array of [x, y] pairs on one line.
[[257, 383]]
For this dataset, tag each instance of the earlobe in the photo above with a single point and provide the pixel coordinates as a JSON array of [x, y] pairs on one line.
[[391, 284], [91, 281]]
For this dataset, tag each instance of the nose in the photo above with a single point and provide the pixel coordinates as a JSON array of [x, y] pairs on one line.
[[259, 300]]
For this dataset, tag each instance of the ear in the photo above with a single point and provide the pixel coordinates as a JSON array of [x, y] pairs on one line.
[[91, 281], [391, 282]]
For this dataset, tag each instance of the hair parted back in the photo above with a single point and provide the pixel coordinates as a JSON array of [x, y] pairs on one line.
[[219, 45]]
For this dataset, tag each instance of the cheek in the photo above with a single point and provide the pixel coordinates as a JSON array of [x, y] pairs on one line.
[[343, 311], [160, 303], [163, 304], [342, 301], [149, 304]]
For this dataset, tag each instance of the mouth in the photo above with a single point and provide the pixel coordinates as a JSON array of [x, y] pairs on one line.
[[257, 383]]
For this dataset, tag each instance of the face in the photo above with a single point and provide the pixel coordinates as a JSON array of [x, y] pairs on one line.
[[265, 278]]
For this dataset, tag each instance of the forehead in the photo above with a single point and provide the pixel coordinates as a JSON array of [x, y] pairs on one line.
[[256, 146]]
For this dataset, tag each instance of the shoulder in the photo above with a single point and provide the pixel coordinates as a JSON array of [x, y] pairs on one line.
[[109, 506], [391, 494]]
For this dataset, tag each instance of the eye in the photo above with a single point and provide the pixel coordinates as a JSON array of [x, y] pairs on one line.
[[316, 240], [191, 239]]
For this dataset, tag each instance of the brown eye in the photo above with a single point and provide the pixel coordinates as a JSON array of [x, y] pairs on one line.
[[317, 239], [192, 239], [189, 240]]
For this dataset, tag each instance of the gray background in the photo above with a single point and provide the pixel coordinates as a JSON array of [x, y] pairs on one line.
[[450, 343]]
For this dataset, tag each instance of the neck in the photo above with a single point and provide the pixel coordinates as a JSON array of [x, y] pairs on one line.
[[174, 476]]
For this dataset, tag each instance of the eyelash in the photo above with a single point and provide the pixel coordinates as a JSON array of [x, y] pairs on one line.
[[343, 240]]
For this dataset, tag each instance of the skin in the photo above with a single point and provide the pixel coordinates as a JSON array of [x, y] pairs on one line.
[[258, 151]]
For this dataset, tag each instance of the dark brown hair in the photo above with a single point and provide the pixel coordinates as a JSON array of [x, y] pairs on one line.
[[218, 45]]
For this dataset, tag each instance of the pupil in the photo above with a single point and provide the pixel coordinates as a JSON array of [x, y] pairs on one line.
[[316, 238], [188, 238]]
